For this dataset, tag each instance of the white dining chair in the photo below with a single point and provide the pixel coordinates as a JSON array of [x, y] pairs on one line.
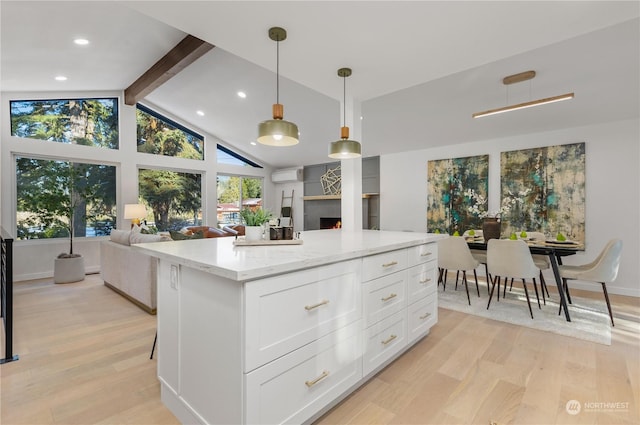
[[480, 255], [454, 254], [603, 269], [511, 259], [542, 262]]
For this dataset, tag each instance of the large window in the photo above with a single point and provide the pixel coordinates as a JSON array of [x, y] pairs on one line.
[[57, 197], [227, 156], [161, 136], [173, 199], [90, 122], [235, 193]]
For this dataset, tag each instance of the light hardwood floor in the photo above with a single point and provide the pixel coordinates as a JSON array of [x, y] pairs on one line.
[[84, 359]]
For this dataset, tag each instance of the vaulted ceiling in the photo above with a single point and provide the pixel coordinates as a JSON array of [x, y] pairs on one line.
[[420, 68]]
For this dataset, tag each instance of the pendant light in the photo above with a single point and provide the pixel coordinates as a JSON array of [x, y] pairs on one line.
[[277, 132], [518, 78], [344, 148]]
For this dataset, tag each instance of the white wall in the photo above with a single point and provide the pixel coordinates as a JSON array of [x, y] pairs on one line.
[[34, 259], [612, 186]]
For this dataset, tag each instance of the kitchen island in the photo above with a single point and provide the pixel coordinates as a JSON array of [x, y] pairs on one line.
[[275, 334]]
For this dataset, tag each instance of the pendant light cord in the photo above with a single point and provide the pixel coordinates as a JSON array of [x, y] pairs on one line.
[[344, 101], [278, 71]]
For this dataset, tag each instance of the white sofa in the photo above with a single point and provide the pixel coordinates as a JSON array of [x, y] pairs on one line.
[[127, 271]]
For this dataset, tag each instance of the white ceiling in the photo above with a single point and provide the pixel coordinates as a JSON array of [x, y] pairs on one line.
[[420, 68]]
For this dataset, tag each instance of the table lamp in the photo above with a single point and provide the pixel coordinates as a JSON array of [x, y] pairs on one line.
[[134, 212]]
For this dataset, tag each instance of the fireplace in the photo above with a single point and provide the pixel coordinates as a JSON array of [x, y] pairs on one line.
[[330, 223]]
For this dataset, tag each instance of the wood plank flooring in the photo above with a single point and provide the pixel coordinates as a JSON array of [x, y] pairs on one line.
[[84, 359]]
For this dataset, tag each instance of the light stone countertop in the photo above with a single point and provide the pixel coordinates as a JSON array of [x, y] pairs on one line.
[[220, 257]]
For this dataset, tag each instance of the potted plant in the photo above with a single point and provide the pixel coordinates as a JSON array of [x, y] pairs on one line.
[[254, 220], [65, 194]]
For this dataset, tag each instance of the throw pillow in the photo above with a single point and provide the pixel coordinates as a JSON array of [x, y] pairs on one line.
[[142, 238], [120, 236]]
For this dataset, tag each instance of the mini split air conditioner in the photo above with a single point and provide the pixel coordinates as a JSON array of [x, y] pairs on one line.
[[287, 175]]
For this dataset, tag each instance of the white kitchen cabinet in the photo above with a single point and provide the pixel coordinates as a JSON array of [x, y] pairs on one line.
[[250, 335], [288, 311]]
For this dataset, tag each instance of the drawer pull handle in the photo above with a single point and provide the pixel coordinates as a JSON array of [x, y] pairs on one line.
[[425, 280], [425, 316], [318, 379], [311, 307], [389, 264], [426, 254], [391, 296], [388, 340]]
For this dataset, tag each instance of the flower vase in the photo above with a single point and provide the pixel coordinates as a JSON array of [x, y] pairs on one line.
[[490, 228]]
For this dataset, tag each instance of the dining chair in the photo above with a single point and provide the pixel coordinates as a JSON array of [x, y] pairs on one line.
[[603, 269], [542, 262], [511, 259], [480, 256], [454, 254]]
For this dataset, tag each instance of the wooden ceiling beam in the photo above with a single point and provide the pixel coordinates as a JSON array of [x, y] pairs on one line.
[[182, 55]]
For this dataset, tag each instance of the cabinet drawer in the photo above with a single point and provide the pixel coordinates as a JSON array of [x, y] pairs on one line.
[[422, 253], [296, 386], [421, 281], [383, 264], [384, 296], [383, 340], [286, 312], [422, 315]]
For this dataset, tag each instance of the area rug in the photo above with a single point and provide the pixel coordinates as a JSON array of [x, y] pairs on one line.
[[589, 318]]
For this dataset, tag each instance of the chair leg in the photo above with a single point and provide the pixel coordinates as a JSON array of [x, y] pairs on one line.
[[527, 294], [493, 286], [457, 276], [606, 297], [444, 279], [466, 286], [566, 290], [440, 271], [504, 291], [154, 345], [486, 270], [475, 276], [543, 287], [544, 283], [535, 287]]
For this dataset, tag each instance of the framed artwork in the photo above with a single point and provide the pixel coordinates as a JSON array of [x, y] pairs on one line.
[[543, 189], [457, 193]]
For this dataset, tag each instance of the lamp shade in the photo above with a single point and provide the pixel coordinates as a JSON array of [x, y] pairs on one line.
[[277, 132], [134, 211], [344, 149]]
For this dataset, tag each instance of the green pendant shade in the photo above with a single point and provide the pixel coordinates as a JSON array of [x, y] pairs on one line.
[[277, 132], [344, 148]]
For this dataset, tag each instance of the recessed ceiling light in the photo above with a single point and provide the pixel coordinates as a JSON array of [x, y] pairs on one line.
[[81, 41], [253, 143], [201, 113], [61, 78], [242, 94]]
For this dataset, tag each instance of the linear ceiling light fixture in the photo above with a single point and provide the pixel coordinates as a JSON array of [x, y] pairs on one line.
[[278, 132], [517, 78], [344, 148]]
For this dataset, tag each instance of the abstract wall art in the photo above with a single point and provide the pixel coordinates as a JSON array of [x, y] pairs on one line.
[[543, 189], [457, 193]]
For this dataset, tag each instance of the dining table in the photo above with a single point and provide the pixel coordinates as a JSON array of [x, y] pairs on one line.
[[553, 249]]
